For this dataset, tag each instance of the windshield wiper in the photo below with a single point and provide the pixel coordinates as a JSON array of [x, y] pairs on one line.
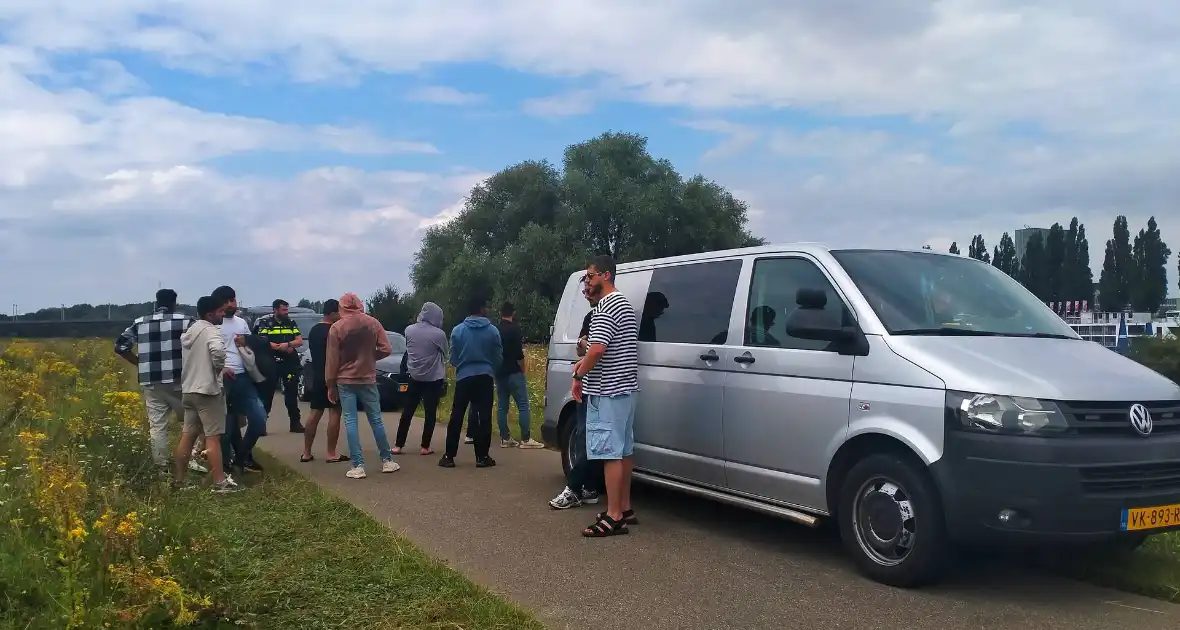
[[947, 332], [1042, 335]]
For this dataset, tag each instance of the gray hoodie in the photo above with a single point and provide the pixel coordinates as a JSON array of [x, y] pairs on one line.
[[426, 345]]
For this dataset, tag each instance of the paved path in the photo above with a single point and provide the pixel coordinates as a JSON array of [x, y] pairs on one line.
[[690, 564]]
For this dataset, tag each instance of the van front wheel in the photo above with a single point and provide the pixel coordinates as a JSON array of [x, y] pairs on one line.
[[891, 521]]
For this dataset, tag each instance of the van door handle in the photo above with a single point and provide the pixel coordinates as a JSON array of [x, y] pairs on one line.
[[710, 356], [744, 358]]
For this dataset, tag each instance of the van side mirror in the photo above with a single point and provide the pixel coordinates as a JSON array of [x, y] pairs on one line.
[[811, 321]]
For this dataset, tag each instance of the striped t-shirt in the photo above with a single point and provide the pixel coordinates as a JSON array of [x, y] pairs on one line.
[[614, 325]]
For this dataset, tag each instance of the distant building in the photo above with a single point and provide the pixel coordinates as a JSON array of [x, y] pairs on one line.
[[1022, 236]]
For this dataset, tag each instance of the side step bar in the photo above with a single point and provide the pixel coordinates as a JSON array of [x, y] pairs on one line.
[[731, 499]]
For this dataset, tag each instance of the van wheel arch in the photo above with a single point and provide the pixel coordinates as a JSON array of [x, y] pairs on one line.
[[855, 450]]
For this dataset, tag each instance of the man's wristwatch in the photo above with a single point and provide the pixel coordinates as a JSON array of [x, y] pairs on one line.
[[577, 377]]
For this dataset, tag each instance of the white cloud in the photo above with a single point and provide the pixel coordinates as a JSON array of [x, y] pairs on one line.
[[1071, 64], [444, 95], [738, 137], [573, 103]]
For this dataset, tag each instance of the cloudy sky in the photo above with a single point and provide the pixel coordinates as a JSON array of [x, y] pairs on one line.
[[299, 148]]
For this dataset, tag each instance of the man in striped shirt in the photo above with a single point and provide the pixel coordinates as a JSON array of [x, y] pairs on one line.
[[608, 377]]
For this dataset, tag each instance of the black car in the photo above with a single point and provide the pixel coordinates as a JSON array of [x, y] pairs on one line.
[[391, 382]]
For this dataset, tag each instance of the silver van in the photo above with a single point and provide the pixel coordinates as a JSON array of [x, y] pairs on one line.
[[919, 399]]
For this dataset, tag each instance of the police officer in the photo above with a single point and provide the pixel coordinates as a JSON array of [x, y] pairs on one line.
[[283, 335]]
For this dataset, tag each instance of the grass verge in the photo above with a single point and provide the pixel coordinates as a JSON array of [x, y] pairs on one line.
[[293, 556], [96, 538]]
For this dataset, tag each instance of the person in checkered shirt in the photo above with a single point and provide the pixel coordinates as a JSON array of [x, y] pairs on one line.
[[152, 344]]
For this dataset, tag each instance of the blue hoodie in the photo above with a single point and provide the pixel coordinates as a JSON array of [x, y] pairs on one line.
[[475, 348]]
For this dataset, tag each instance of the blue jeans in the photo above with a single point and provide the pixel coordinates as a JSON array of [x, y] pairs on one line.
[[241, 397], [368, 397], [516, 386]]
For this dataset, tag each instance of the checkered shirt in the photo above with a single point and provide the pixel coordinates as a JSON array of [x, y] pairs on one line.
[[155, 339]]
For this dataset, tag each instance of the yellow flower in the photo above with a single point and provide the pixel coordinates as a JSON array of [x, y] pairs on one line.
[[125, 407]]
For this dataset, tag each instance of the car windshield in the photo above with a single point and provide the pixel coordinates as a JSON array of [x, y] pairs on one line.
[[397, 341], [915, 293], [305, 322]]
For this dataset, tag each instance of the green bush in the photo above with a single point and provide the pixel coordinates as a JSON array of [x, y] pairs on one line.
[[1161, 355]]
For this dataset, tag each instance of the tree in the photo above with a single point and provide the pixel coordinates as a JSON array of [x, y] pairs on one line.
[[525, 229], [317, 305], [1033, 268], [1004, 256], [978, 249], [1055, 264], [1114, 283], [392, 308], [1082, 277], [1148, 274], [954, 248]]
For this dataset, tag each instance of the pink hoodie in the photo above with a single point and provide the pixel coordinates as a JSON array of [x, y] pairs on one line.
[[355, 343]]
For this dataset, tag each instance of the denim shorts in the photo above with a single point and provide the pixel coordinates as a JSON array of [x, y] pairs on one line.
[[610, 426]]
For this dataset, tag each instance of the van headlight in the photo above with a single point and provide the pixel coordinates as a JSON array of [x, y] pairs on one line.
[[989, 413]]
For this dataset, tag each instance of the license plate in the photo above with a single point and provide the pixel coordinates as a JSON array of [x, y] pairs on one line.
[[1151, 518], [403, 388]]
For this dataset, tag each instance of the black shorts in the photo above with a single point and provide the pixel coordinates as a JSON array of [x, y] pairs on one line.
[[319, 399]]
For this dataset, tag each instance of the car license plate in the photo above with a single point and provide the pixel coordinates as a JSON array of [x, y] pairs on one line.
[[1151, 518], [404, 387]]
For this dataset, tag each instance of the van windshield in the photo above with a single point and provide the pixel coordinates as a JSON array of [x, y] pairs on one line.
[[915, 293]]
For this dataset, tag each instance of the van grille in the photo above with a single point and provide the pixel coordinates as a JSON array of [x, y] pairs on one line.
[[1110, 418], [1131, 479]]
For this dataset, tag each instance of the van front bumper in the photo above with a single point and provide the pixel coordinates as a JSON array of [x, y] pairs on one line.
[[1066, 490]]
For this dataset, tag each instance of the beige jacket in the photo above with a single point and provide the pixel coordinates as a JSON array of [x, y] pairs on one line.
[[202, 359]]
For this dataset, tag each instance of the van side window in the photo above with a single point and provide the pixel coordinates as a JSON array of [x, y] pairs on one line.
[[772, 301], [690, 303]]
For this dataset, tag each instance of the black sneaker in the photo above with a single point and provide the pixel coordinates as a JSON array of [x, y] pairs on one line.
[[485, 462], [297, 429], [447, 461], [252, 467]]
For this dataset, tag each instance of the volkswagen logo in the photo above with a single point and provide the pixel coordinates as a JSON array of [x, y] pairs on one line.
[[1140, 419]]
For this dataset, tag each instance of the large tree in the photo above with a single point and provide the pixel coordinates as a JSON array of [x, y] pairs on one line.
[[524, 230], [954, 249], [1149, 274], [1034, 268], [1004, 256], [394, 309], [1114, 283], [1055, 254], [978, 249], [1082, 277]]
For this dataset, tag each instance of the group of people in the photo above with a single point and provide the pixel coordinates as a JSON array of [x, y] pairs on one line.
[[214, 369]]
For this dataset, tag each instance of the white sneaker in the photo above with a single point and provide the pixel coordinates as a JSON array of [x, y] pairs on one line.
[[196, 467], [566, 500], [531, 443], [390, 466], [356, 472], [509, 443], [468, 440]]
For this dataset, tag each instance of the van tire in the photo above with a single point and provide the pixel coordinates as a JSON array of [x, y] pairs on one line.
[[886, 487], [564, 437]]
